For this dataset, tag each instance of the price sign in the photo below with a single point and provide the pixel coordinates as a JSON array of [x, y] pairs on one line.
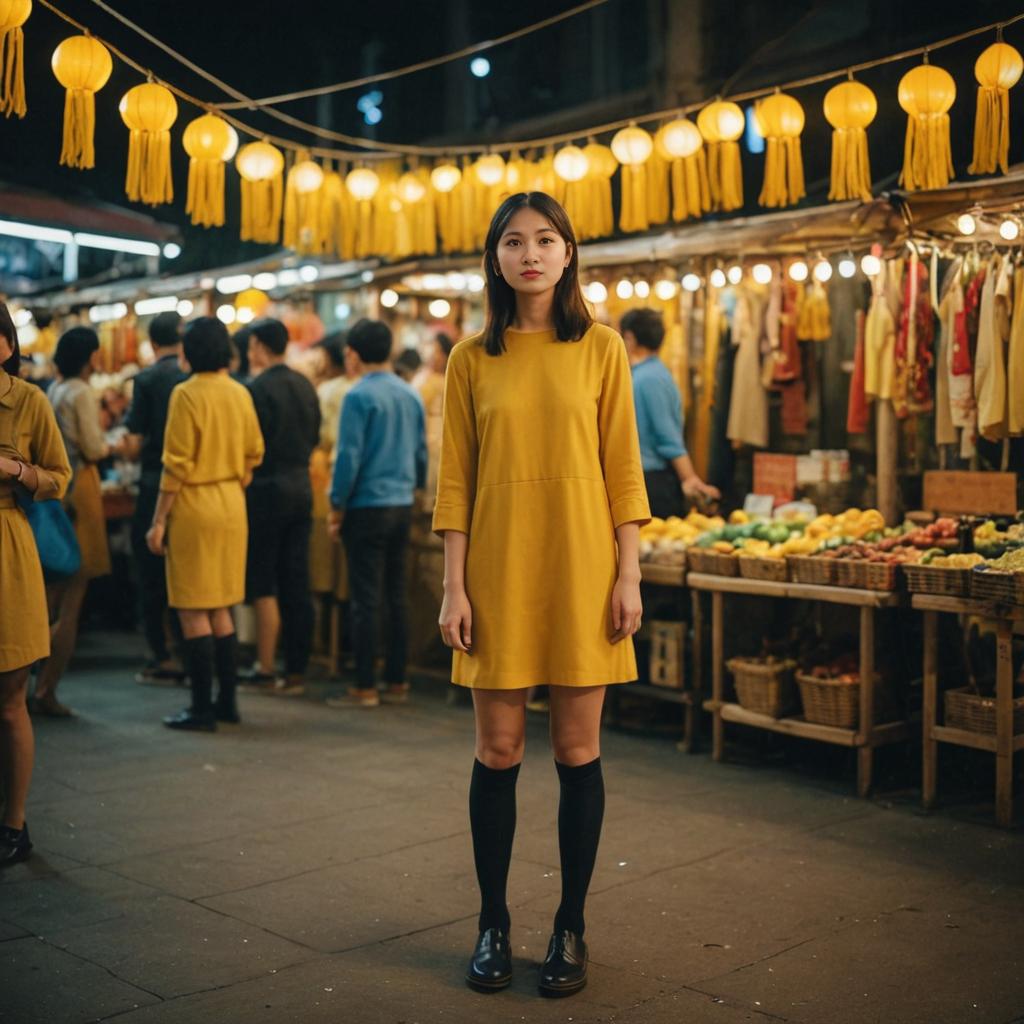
[[775, 475]]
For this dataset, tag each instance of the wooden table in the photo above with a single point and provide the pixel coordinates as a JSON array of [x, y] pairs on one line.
[[868, 735], [1003, 743]]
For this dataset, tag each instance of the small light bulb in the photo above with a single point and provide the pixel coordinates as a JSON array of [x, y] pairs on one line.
[[734, 274], [798, 271], [439, 308], [762, 273], [871, 265], [966, 224], [624, 289], [475, 282], [245, 315], [822, 271], [847, 267], [641, 289], [389, 298], [718, 278], [691, 282], [596, 292], [1009, 230], [185, 307], [226, 314], [665, 289]]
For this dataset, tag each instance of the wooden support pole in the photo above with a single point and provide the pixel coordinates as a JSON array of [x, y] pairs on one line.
[[1004, 722], [886, 459], [929, 745], [717, 676], [865, 752]]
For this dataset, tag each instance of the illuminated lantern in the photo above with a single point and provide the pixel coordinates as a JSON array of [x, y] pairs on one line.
[[601, 160], [149, 110], [632, 146], [571, 163], [207, 140], [602, 167], [490, 169], [308, 175], [721, 124], [781, 120], [13, 14], [302, 204], [681, 143], [926, 93], [678, 139], [261, 167], [362, 183], [252, 299], [445, 177], [997, 70], [850, 107], [410, 188], [83, 66]]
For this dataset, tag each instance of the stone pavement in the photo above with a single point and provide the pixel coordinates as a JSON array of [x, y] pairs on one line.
[[315, 866]]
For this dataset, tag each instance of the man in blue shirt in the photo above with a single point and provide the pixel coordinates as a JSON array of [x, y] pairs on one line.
[[668, 471], [381, 459]]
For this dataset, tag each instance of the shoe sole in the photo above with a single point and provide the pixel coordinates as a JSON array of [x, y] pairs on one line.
[[551, 992], [19, 858], [488, 987]]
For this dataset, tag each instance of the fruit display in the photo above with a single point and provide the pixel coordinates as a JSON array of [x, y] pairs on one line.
[[665, 541], [939, 559], [990, 541], [1012, 561], [758, 538]]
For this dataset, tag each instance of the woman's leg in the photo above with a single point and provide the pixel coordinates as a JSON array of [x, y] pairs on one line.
[[225, 658], [500, 741], [17, 745], [67, 602], [197, 627], [576, 742]]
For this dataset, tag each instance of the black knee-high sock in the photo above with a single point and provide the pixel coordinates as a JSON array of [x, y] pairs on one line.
[[199, 665], [580, 814], [492, 817], [225, 656]]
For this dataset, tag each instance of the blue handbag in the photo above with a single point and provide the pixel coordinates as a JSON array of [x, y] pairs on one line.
[[55, 537]]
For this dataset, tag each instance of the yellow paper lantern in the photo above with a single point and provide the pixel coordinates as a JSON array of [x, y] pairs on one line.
[[997, 70], [678, 139], [926, 93], [82, 65], [149, 110], [445, 177], [302, 227], [721, 124], [632, 146], [571, 163], [490, 169], [206, 140], [411, 188], [252, 299], [362, 183], [781, 120], [261, 168], [232, 146], [850, 107], [13, 14], [601, 160], [308, 175]]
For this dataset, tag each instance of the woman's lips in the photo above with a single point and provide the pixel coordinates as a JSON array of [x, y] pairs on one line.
[[530, 274]]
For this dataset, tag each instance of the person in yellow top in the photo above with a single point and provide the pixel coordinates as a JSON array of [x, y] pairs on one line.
[[540, 497], [211, 446], [33, 458]]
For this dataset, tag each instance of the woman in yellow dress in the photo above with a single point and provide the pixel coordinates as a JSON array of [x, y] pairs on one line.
[[32, 457], [211, 446], [540, 498]]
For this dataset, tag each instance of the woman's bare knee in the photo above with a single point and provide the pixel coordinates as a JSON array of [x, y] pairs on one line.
[[500, 751]]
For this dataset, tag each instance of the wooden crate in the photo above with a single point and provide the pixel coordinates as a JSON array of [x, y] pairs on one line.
[[666, 661]]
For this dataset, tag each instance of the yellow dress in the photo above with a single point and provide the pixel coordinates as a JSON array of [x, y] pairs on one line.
[[540, 462], [211, 446], [29, 433]]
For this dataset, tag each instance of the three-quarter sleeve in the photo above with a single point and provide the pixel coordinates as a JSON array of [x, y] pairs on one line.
[[619, 443], [91, 442], [180, 442], [48, 455], [457, 467]]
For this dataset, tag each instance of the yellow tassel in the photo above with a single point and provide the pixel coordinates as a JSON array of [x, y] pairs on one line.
[[329, 215], [658, 200], [991, 132], [205, 200], [12, 72], [926, 93], [691, 195], [633, 213], [78, 149], [302, 206], [725, 175], [149, 168], [851, 167], [261, 210]]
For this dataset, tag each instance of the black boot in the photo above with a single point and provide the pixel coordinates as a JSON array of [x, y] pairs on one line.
[[15, 845], [490, 967], [564, 971], [199, 664], [225, 654]]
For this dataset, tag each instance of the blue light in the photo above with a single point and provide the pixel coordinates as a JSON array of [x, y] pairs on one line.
[[480, 66], [370, 99], [373, 115], [753, 138]]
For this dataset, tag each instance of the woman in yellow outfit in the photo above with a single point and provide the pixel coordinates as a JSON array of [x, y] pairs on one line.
[[540, 497], [211, 446], [32, 457]]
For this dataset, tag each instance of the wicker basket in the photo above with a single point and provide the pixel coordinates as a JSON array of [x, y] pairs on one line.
[[809, 569], [829, 701], [713, 562], [966, 710], [764, 687], [993, 585], [882, 575], [850, 572], [928, 579], [863, 575], [774, 569]]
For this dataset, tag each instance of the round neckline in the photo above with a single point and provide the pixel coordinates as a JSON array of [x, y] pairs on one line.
[[516, 330]]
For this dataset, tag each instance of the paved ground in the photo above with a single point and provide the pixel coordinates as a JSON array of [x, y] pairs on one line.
[[315, 866]]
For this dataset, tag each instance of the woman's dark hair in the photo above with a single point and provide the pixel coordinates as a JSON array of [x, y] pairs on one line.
[[334, 345], [240, 348], [572, 319], [444, 342], [74, 351], [207, 345], [371, 341], [7, 330], [271, 333], [646, 326]]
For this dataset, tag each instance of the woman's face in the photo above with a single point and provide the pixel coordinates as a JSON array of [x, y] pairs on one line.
[[532, 255]]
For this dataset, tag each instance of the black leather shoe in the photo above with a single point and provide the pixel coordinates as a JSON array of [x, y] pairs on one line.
[[227, 714], [187, 719], [15, 845], [490, 968], [564, 971]]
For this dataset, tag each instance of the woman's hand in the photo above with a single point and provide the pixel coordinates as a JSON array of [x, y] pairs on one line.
[[456, 621], [627, 608], [10, 467], [155, 539]]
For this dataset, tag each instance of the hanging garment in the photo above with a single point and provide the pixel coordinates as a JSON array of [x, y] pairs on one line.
[[857, 409], [787, 361], [1015, 359], [913, 348], [748, 406], [814, 317], [945, 429], [990, 362], [879, 341]]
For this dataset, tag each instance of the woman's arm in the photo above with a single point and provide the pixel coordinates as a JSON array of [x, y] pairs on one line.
[[456, 620], [46, 473], [156, 535], [627, 608]]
